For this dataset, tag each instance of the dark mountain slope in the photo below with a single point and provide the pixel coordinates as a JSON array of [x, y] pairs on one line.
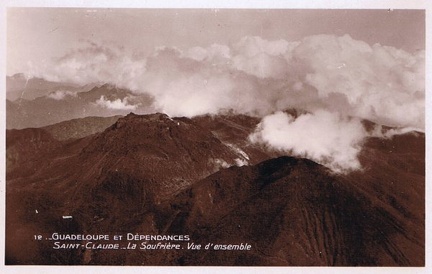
[[108, 180], [79, 128], [293, 212], [152, 174], [234, 130], [27, 145], [34, 201], [393, 178], [169, 153]]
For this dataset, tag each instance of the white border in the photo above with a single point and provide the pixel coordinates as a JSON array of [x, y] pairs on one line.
[[251, 4]]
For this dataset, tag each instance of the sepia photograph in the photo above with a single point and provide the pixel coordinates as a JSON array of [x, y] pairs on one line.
[[240, 137]]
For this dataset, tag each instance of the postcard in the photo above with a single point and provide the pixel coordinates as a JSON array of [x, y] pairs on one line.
[[199, 137]]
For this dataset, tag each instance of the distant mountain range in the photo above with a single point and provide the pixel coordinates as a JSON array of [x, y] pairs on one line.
[[156, 175], [36, 102], [21, 86]]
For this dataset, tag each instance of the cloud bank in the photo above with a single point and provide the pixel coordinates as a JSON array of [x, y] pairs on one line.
[[118, 104], [256, 76], [323, 136], [331, 77], [92, 63]]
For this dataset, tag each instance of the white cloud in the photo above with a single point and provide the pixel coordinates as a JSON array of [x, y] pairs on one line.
[[332, 77], [215, 54], [219, 164], [380, 83], [262, 58], [61, 94], [325, 137], [256, 76], [381, 132], [94, 63], [117, 104]]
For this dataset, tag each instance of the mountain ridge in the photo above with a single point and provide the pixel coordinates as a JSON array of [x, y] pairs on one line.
[[153, 174]]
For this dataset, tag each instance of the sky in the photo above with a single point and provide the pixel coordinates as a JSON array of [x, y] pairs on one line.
[[35, 35], [339, 66]]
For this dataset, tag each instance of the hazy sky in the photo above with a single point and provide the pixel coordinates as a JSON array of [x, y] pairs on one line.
[[38, 34], [339, 65]]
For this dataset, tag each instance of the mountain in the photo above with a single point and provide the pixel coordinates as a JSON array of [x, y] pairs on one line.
[[29, 88], [166, 153], [63, 105], [110, 92], [393, 179], [234, 130], [295, 212], [145, 158], [157, 175], [13, 115], [27, 145], [79, 128], [292, 211]]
